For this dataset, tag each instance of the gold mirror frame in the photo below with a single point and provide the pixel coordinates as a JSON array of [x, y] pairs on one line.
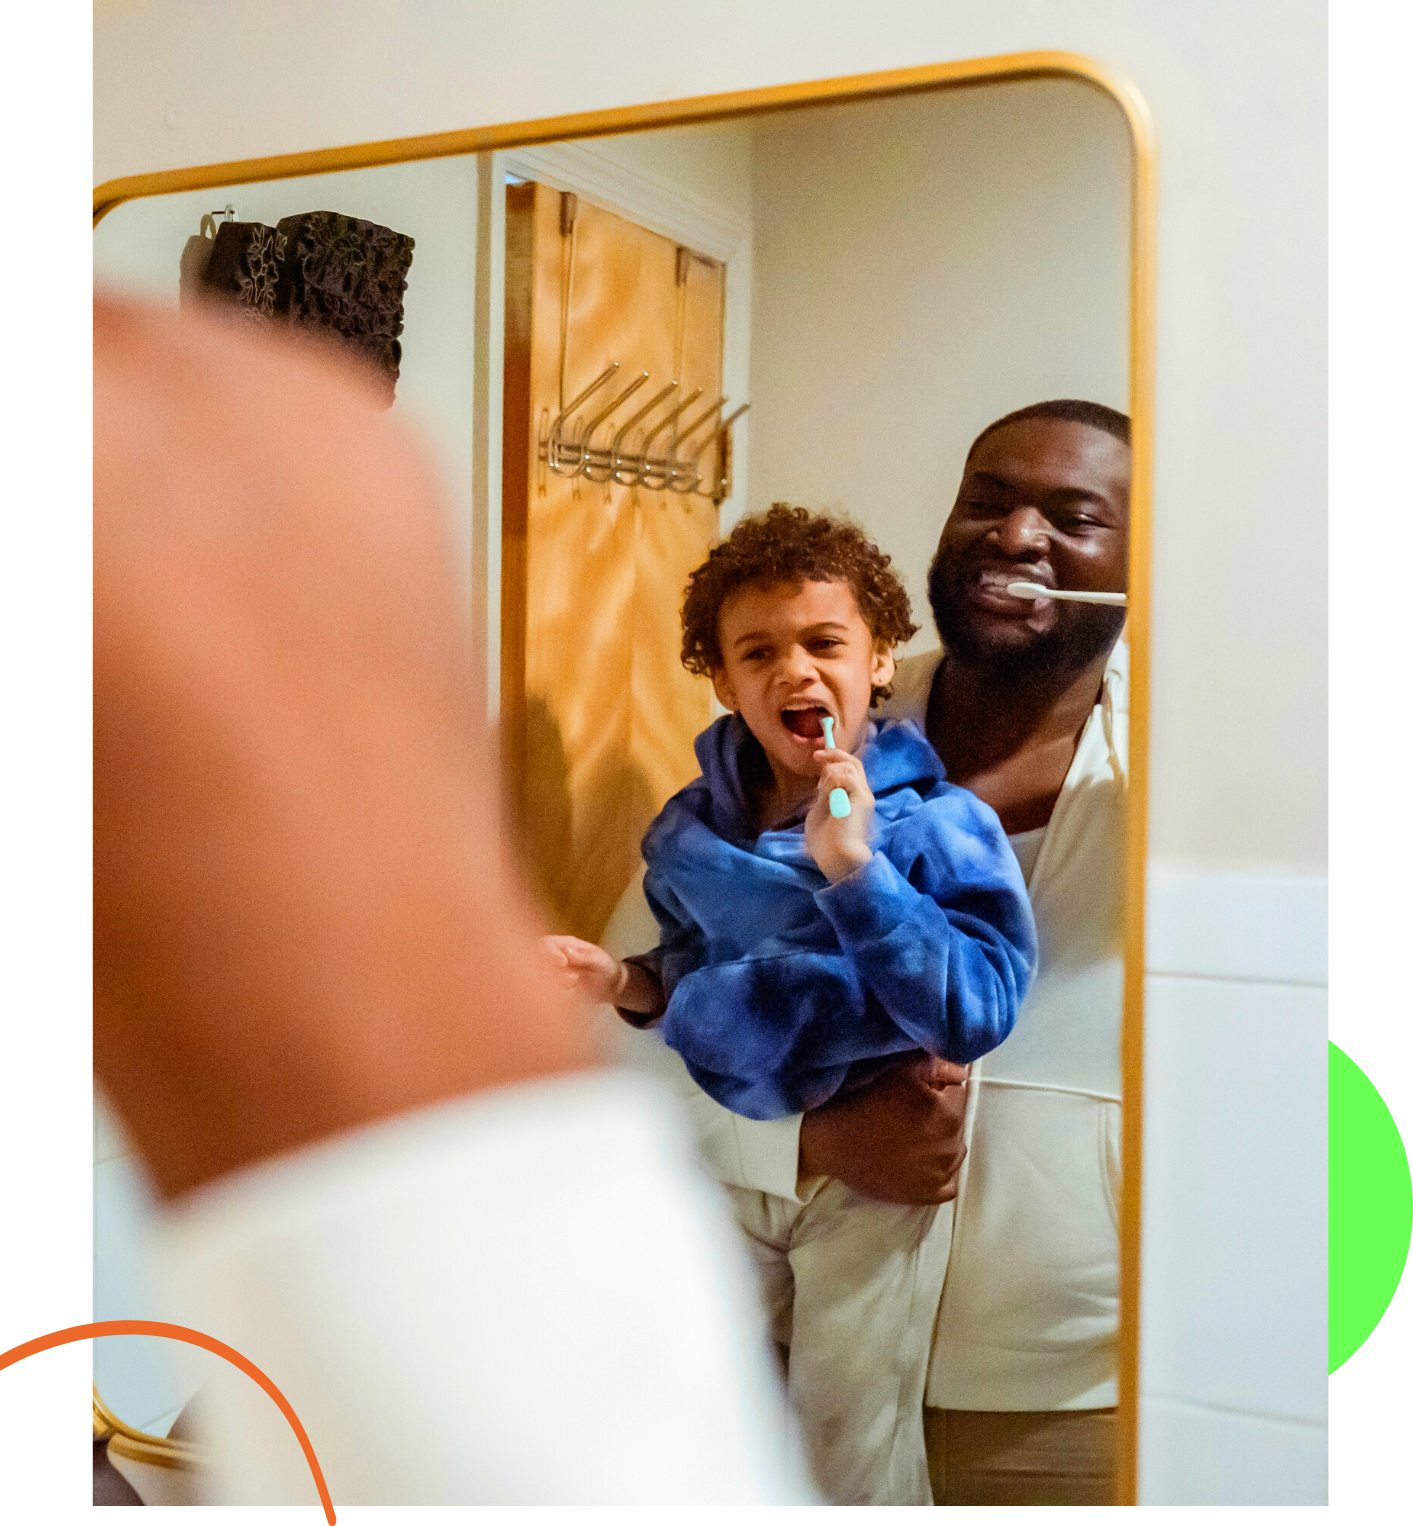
[[1142, 324], [141, 1446]]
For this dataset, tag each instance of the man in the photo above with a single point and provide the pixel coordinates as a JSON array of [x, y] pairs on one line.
[[1026, 704]]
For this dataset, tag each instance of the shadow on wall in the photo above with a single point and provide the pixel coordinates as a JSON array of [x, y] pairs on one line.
[[579, 862]]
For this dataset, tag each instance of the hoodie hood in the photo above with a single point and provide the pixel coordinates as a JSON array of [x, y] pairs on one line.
[[895, 756]]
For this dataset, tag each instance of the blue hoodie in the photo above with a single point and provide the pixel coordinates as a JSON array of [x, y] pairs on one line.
[[780, 986]]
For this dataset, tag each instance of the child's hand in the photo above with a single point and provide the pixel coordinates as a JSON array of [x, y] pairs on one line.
[[839, 844], [585, 968]]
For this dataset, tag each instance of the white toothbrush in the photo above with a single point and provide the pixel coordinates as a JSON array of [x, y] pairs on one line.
[[1079, 596]]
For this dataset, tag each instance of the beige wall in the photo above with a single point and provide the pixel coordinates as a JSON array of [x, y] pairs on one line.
[[711, 162], [923, 266]]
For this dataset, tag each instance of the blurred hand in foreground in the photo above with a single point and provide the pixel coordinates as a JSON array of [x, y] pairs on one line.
[[305, 916]]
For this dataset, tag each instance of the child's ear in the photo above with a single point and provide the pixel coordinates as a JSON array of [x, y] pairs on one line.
[[724, 692], [883, 664]]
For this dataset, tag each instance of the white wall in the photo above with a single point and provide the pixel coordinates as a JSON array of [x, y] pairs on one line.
[[710, 163], [1239, 632], [922, 267], [1234, 1404]]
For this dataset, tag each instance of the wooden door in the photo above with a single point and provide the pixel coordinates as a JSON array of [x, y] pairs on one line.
[[598, 715]]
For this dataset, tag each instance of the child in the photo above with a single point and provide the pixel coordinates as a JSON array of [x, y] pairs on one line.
[[802, 952]]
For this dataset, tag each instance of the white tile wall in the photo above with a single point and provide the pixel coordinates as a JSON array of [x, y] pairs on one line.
[[1192, 1454], [1237, 926], [1234, 1305]]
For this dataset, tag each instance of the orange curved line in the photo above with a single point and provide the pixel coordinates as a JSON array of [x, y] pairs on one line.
[[192, 1338]]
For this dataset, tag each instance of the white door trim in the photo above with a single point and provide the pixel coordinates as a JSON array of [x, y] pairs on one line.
[[649, 200]]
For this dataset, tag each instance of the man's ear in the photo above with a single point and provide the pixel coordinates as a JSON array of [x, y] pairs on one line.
[[883, 664], [724, 692]]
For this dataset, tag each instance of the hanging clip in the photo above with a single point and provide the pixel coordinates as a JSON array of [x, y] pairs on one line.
[[722, 490], [212, 220]]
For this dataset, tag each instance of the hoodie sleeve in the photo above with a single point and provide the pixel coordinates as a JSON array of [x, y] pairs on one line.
[[681, 948], [939, 925], [682, 944], [761, 1034]]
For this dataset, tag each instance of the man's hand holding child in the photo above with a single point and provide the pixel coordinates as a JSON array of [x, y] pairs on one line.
[[839, 844]]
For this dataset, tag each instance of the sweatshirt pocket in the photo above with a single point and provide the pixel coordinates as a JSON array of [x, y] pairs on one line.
[[1109, 1118]]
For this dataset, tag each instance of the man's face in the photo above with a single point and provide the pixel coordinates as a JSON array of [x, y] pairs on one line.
[[1041, 501]]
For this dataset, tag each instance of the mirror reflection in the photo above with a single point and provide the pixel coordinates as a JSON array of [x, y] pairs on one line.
[[825, 813]]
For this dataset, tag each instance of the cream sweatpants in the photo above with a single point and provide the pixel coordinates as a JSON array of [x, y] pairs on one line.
[[851, 1287]]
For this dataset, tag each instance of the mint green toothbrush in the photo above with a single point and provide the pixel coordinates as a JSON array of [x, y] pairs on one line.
[[838, 798]]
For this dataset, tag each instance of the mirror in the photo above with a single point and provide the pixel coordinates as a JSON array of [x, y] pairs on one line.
[[880, 279]]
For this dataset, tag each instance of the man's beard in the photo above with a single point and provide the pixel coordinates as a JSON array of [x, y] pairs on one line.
[[1083, 633]]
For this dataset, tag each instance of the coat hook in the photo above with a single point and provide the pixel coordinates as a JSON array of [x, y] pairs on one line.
[[615, 461], [594, 469], [555, 453], [661, 469]]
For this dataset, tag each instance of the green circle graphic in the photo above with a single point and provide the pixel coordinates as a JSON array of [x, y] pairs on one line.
[[1371, 1207]]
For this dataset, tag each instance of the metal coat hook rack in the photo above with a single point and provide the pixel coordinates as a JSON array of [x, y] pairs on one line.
[[568, 447]]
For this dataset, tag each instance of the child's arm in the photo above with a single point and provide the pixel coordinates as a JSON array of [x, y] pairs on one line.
[[948, 947], [937, 927], [940, 927], [597, 976]]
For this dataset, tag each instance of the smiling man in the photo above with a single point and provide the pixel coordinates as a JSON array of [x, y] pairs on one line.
[[1043, 499], [1027, 705]]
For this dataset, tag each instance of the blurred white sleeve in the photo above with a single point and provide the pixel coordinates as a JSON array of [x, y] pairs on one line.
[[528, 1296]]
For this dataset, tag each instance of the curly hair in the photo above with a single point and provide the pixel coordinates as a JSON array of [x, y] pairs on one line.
[[793, 546]]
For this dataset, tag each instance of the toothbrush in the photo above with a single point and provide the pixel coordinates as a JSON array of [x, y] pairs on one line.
[[1039, 591], [838, 798]]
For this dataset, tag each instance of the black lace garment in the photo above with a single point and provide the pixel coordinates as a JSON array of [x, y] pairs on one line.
[[322, 273], [245, 266], [343, 275]]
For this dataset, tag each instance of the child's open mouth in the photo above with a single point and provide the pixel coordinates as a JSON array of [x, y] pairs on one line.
[[807, 722]]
